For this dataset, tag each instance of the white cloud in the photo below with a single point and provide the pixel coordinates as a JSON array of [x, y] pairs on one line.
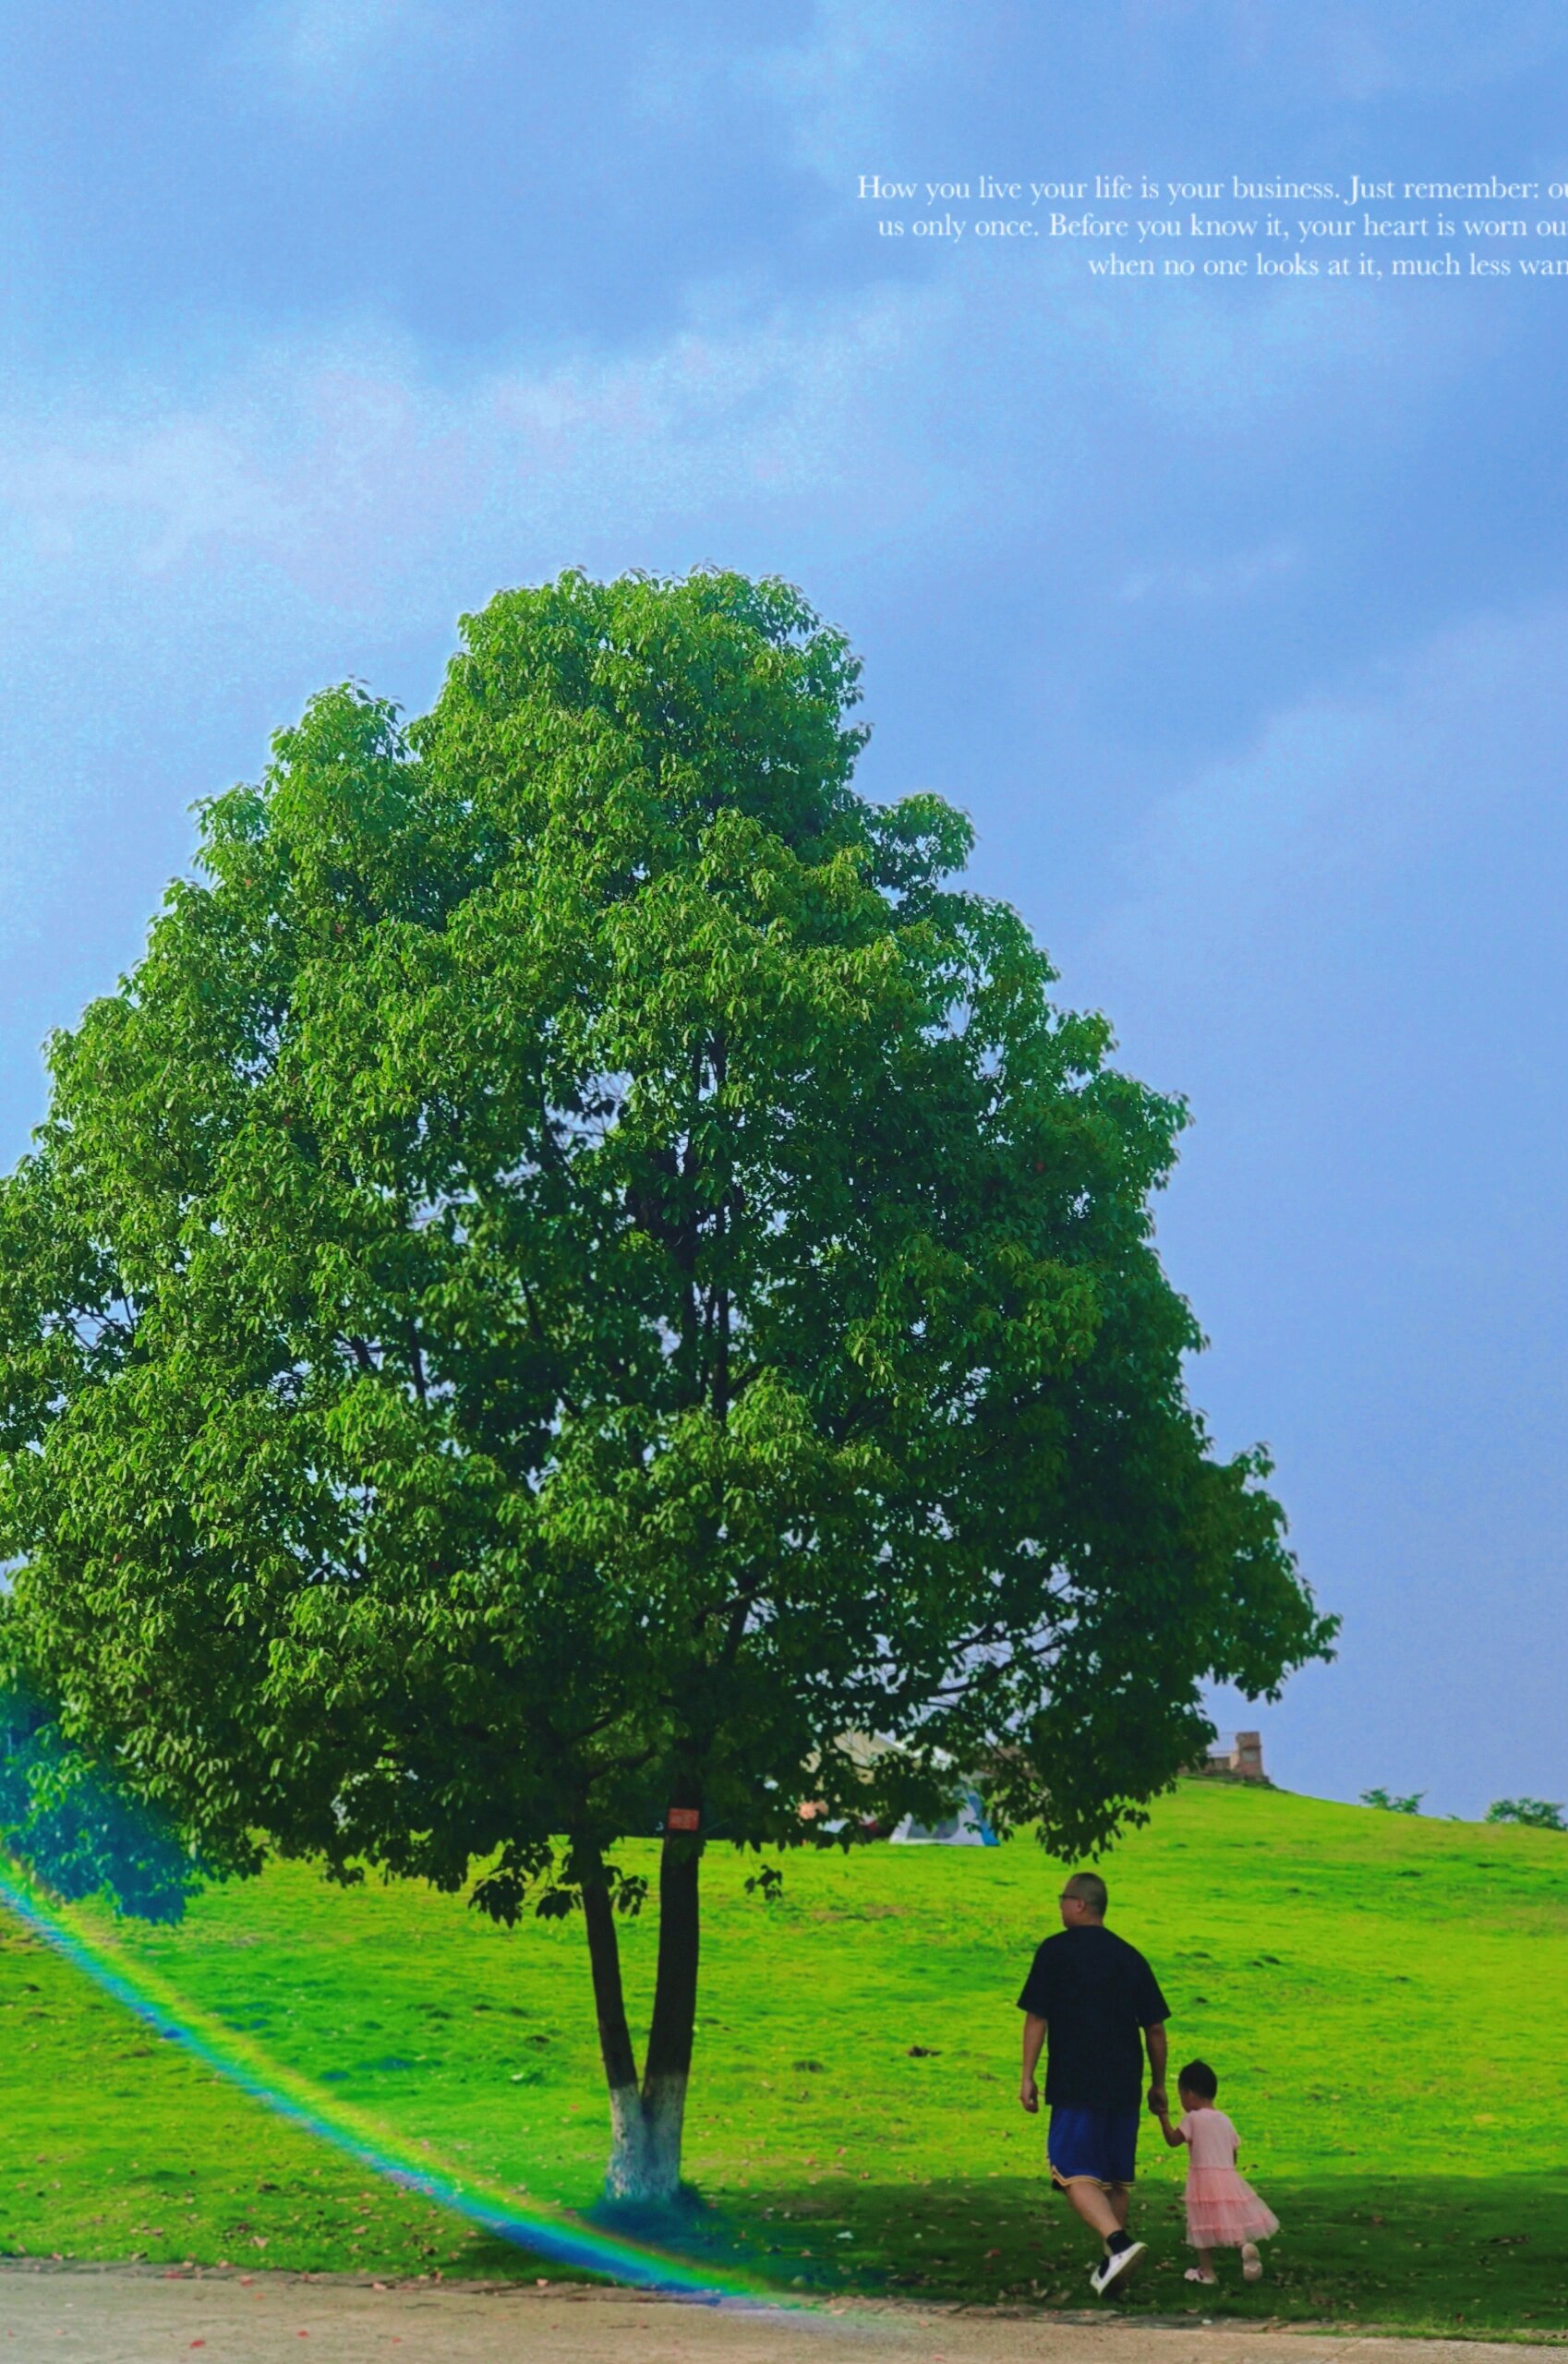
[[1432, 47], [844, 81], [839, 85], [1214, 579], [177, 482], [338, 462], [342, 467], [1339, 793], [311, 53]]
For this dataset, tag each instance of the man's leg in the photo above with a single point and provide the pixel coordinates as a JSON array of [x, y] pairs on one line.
[[1095, 2205], [1089, 2158], [1103, 2209]]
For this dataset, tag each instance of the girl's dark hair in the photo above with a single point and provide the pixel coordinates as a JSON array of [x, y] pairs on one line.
[[1199, 2078]]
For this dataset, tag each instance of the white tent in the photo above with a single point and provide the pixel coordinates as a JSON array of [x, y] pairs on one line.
[[965, 1828]]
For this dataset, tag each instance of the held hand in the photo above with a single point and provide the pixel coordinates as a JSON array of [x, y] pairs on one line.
[[1157, 2100], [1029, 2095]]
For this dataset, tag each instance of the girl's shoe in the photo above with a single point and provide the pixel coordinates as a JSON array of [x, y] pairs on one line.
[[1192, 2274], [1251, 2263]]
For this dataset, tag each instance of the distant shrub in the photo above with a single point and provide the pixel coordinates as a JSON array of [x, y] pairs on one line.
[[1536, 1814], [1390, 1803]]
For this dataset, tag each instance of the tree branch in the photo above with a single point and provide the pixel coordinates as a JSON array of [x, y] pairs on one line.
[[416, 1361], [542, 1338]]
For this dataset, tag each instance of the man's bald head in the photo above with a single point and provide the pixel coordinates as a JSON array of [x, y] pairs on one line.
[[1084, 1898]]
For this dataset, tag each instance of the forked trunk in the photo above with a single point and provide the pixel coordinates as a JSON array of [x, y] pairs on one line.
[[647, 2119], [645, 2142]]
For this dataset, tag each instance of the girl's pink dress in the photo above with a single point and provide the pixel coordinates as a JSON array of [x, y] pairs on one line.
[[1223, 2210]]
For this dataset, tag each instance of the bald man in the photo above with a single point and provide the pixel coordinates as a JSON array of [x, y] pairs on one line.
[[1094, 2000]]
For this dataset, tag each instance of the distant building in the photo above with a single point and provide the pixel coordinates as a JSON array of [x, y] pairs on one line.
[[1240, 1758]]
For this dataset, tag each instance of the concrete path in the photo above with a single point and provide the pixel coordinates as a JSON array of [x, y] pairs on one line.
[[109, 2316]]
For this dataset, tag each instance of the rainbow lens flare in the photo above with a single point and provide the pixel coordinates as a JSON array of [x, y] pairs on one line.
[[542, 2232]]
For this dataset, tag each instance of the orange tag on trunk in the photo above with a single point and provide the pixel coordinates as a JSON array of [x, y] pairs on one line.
[[683, 1818]]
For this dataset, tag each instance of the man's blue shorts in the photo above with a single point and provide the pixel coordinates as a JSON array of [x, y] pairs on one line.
[[1099, 2145]]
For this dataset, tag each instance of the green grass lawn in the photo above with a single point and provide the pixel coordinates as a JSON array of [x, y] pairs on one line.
[[1379, 1995]]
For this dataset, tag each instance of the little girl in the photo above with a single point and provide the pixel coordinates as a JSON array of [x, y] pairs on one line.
[[1223, 2211]]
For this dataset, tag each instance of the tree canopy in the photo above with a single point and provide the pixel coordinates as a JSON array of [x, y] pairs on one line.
[[580, 1272]]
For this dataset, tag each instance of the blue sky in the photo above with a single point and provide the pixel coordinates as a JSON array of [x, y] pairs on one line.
[[1236, 615]]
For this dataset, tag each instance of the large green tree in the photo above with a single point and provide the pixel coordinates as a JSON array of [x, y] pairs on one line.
[[580, 1272]]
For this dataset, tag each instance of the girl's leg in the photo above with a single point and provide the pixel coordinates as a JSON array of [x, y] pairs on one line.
[[1204, 2269], [1251, 2263]]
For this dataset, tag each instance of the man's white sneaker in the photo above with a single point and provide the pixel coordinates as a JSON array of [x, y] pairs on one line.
[[1113, 2269]]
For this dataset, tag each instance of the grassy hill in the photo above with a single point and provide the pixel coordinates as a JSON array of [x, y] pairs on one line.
[[1377, 1994]]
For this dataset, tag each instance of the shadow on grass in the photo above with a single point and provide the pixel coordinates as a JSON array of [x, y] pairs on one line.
[[1461, 2255]]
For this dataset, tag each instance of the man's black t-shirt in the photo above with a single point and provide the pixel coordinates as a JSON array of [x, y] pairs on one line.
[[1097, 1995]]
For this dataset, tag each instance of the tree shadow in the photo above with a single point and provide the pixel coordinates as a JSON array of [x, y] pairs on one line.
[[1445, 2253]]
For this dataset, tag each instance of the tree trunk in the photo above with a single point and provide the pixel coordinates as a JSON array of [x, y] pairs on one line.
[[615, 2035], [644, 2145], [669, 2064], [646, 2123]]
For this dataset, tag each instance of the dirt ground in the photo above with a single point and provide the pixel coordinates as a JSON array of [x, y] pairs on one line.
[[112, 2316]]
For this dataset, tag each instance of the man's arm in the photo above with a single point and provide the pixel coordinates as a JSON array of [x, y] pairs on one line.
[[1155, 2038], [1034, 2037]]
